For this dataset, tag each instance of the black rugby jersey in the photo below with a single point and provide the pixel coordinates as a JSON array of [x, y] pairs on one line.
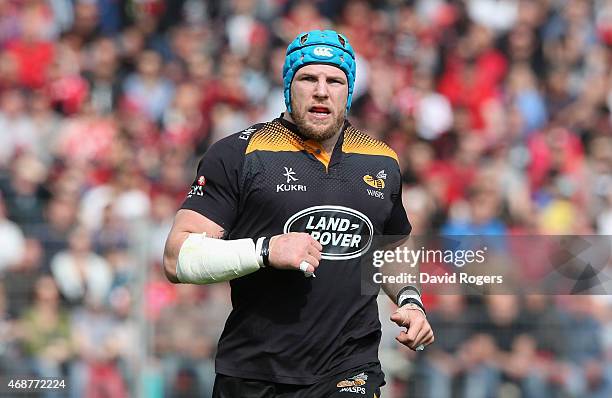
[[267, 180]]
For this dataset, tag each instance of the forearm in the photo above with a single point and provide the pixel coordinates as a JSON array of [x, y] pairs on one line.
[[198, 259], [192, 257], [393, 289], [204, 260], [185, 223], [400, 278]]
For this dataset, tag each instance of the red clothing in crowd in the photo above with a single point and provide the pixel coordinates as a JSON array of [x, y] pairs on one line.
[[556, 149], [472, 89], [87, 138], [456, 179], [33, 59]]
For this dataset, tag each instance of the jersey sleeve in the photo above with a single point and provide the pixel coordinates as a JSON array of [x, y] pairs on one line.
[[216, 189], [397, 223]]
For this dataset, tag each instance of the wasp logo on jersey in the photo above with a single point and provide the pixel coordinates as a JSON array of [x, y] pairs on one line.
[[343, 232], [377, 182], [353, 384]]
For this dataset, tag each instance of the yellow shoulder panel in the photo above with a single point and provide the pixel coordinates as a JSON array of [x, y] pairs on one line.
[[357, 142], [274, 137]]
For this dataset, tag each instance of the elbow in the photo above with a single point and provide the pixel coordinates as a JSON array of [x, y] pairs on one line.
[[169, 264]]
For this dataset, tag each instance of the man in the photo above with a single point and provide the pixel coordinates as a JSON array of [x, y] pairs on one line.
[[296, 202]]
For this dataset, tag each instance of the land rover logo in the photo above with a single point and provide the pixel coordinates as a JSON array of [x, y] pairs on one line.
[[343, 232]]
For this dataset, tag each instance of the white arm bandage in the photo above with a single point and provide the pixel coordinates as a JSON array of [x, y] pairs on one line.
[[203, 260]]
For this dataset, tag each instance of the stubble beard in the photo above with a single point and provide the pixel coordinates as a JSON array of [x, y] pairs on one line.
[[311, 130]]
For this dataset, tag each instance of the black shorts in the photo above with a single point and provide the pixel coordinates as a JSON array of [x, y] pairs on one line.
[[363, 382]]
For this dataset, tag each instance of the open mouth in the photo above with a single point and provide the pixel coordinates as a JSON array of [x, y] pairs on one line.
[[319, 111]]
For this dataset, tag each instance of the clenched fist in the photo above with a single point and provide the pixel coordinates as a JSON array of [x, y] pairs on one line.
[[287, 251]]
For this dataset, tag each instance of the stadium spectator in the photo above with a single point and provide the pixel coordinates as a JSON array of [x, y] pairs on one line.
[[588, 375], [98, 343], [23, 277], [12, 362], [147, 88], [104, 76], [444, 364], [25, 192], [186, 352], [81, 274], [12, 240], [16, 128], [44, 331], [32, 49], [60, 217], [501, 351]]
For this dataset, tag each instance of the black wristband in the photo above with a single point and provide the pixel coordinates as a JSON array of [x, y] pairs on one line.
[[412, 300], [265, 251], [405, 289]]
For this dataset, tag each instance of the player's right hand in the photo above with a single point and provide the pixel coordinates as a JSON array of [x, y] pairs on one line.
[[287, 251]]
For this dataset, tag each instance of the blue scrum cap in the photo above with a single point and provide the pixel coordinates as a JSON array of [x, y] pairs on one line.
[[319, 47]]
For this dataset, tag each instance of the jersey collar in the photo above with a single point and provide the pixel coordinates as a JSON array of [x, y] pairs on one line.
[[336, 155]]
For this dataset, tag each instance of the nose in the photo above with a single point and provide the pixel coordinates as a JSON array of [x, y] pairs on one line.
[[321, 88]]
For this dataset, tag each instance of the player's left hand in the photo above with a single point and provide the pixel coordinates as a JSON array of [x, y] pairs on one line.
[[418, 331]]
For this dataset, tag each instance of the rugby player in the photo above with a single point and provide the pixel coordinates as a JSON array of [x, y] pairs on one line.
[[284, 210]]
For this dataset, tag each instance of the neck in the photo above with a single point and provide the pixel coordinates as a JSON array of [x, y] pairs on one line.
[[328, 144]]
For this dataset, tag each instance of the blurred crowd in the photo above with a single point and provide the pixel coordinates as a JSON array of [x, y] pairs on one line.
[[499, 111]]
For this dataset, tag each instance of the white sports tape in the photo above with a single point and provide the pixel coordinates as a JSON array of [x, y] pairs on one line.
[[203, 260], [304, 268]]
